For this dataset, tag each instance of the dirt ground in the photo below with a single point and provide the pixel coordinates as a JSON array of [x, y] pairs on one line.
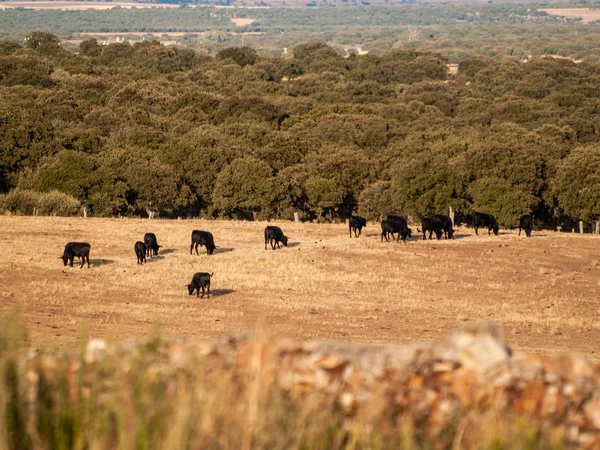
[[543, 291]]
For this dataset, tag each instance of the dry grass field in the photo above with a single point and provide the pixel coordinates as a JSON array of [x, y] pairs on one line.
[[543, 291], [587, 15]]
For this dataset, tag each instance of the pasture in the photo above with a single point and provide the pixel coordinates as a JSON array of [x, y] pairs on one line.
[[543, 291]]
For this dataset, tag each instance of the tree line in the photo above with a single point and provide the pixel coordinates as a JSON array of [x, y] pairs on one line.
[[124, 129]]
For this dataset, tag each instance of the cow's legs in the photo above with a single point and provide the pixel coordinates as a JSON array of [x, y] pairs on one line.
[[197, 249], [191, 247], [208, 291], [476, 231]]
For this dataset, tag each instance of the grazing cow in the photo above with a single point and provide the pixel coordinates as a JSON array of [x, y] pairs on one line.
[[481, 220], [400, 222], [356, 223], [274, 236], [203, 238], [393, 226], [140, 252], [427, 225], [443, 223], [151, 245], [201, 280], [526, 223], [79, 249]]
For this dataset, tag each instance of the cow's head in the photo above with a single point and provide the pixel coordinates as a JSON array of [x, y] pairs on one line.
[[65, 259], [284, 240], [191, 289], [409, 232], [496, 229]]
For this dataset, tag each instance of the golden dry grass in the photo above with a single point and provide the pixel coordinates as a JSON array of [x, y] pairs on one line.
[[242, 21], [543, 291], [586, 14]]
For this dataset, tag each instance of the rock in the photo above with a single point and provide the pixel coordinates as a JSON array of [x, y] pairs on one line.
[[95, 350]]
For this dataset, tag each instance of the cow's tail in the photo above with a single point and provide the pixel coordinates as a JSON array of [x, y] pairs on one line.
[[211, 275]]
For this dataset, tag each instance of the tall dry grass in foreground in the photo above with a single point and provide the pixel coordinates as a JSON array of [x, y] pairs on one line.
[[149, 398]]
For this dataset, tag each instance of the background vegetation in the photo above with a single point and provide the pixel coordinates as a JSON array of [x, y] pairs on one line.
[[122, 129]]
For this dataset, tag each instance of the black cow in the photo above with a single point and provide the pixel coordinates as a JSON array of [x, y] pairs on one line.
[[483, 220], [203, 238], [394, 226], [443, 223], [356, 223], [79, 249], [201, 280], [151, 244], [428, 225], [140, 252], [274, 236], [526, 223], [400, 222]]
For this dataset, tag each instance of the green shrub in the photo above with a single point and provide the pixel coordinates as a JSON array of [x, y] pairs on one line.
[[26, 202]]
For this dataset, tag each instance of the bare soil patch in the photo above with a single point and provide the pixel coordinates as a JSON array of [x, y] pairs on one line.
[[242, 21], [543, 291]]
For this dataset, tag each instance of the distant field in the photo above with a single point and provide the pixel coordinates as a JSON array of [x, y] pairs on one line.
[[81, 5], [543, 291], [586, 14], [102, 5]]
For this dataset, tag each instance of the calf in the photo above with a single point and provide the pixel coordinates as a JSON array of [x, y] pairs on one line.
[[393, 226], [151, 244], [480, 220], [203, 238], [273, 236], [79, 249], [356, 223], [140, 252], [201, 280], [526, 223]]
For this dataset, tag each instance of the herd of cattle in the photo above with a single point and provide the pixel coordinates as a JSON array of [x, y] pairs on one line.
[[438, 224]]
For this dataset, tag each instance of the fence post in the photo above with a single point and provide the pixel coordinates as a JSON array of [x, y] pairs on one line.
[[296, 217], [451, 214], [597, 228], [581, 226], [85, 212]]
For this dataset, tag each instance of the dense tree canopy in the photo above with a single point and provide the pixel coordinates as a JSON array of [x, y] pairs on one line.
[[123, 129]]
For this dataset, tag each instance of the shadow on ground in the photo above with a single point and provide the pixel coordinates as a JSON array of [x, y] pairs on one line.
[[100, 262], [222, 250], [220, 292]]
